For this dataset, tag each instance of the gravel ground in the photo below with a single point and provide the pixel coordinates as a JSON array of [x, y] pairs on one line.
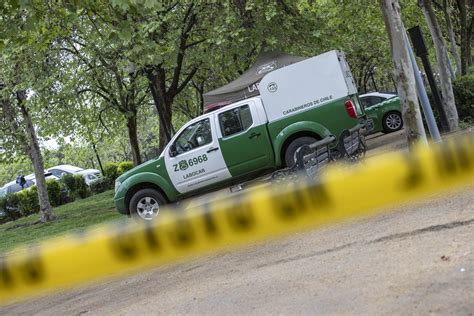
[[417, 258]]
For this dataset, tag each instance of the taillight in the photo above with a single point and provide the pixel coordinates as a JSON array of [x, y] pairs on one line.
[[350, 108]]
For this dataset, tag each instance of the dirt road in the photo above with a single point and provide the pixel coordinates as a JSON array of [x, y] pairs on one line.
[[417, 260]]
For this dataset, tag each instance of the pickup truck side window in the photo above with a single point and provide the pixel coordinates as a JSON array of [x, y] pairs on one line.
[[194, 136], [235, 121]]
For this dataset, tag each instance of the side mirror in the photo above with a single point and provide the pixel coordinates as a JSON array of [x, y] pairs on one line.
[[173, 151]]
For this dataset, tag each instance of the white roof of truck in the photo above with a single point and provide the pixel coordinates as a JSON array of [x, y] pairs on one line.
[[243, 87]]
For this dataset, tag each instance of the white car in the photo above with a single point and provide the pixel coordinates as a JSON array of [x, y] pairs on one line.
[[47, 175], [13, 187], [90, 175]]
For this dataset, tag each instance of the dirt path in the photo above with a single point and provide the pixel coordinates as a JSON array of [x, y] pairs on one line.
[[418, 260]]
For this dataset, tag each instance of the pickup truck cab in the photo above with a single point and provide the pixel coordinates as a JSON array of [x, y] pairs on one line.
[[298, 104]]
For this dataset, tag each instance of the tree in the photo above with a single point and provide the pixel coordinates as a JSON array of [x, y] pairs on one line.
[[403, 71], [442, 61], [100, 69], [466, 22], [173, 41], [164, 34], [24, 73], [17, 126], [447, 11]]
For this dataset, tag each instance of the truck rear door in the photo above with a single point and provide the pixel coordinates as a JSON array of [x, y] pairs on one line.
[[243, 137]]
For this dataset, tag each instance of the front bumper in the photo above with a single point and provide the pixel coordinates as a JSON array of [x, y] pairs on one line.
[[120, 205]]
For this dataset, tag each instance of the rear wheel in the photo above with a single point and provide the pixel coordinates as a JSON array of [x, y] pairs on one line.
[[145, 204], [293, 146], [392, 122]]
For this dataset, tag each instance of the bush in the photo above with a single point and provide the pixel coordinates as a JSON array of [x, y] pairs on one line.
[[81, 187], [69, 181], [66, 197], [9, 205], [101, 185], [110, 171], [76, 186], [463, 89], [124, 167], [28, 201], [54, 192]]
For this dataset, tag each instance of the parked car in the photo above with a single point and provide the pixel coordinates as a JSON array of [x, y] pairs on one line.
[[383, 112], [13, 187], [90, 175], [47, 175]]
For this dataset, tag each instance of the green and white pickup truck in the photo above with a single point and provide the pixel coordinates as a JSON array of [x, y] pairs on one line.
[[296, 104]]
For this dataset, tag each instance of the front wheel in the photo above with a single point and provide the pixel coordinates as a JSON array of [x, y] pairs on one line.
[[145, 204], [392, 122]]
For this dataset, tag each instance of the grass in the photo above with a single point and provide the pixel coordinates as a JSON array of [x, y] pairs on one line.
[[73, 216]]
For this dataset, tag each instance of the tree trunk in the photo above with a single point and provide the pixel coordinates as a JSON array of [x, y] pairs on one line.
[[465, 36], [34, 152], [403, 72], [98, 158], [443, 68], [452, 37], [167, 117], [92, 162], [133, 137], [163, 106]]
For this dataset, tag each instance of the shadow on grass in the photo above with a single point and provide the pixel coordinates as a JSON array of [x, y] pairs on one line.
[[28, 224]]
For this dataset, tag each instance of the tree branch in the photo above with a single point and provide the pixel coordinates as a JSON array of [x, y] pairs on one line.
[[186, 80], [189, 21]]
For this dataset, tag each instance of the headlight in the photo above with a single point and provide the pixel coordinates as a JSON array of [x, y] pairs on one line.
[[117, 185]]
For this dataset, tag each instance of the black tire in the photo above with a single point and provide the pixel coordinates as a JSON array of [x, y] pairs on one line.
[[392, 122], [145, 204], [293, 146]]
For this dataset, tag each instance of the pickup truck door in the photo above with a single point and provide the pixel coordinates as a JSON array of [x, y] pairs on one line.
[[194, 159], [243, 138]]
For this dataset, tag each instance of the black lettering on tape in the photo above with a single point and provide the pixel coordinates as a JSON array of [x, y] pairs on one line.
[[151, 237], [32, 269], [299, 198], [6, 278], [445, 160], [318, 195], [209, 224], [463, 156], [415, 175], [124, 244], [288, 205], [291, 205], [183, 234], [240, 216]]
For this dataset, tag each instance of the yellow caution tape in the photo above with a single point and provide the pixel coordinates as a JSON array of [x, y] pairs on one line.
[[341, 193]]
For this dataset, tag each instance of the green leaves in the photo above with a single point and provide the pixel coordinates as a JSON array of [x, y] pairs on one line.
[[74, 56], [125, 32]]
